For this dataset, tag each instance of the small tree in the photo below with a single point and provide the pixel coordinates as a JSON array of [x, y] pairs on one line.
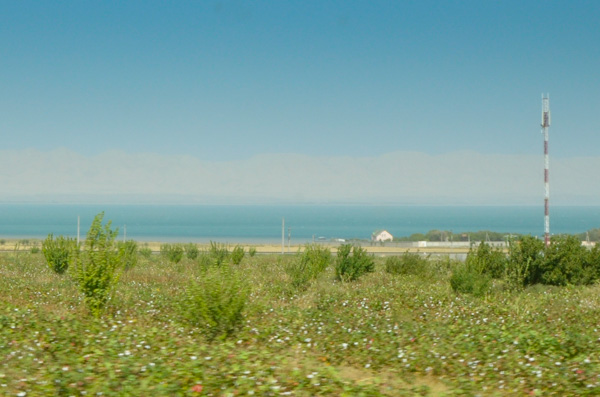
[[352, 262], [96, 269], [58, 252]]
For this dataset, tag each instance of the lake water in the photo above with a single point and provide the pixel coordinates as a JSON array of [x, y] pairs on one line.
[[262, 224]]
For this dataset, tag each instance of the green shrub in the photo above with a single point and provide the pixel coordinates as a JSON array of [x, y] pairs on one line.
[[525, 261], [145, 251], [129, 253], [308, 265], [467, 279], [352, 262], [487, 260], [191, 251], [173, 252], [407, 263], [251, 251], [237, 254], [215, 302], [218, 252], [58, 252], [96, 268], [566, 262], [205, 259]]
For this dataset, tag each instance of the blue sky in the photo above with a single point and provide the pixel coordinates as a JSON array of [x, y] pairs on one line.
[[395, 102], [226, 81]]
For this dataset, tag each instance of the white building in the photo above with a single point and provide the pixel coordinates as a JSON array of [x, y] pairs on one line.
[[381, 235]]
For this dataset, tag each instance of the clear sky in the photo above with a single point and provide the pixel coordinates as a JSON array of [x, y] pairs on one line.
[[230, 80]]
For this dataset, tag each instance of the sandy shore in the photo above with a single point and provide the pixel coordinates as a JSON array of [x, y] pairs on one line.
[[9, 244]]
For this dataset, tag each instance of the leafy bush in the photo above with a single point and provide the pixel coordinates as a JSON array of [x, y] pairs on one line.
[[251, 251], [58, 252], [468, 279], [173, 252], [487, 260], [237, 255], [525, 261], [218, 252], [129, 253], [96, 268], [407, 263], [308, 265], [191, 251], [566, 262], [215, 302], [352, 262], [474, 276]]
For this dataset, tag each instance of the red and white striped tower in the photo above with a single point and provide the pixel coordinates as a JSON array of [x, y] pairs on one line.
[[545, 125]]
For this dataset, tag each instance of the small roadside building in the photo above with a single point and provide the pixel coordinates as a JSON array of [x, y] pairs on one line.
[[381, 236]]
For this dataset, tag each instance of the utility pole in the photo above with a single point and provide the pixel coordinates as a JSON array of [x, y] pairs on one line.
[[545, 126], [282, 236]]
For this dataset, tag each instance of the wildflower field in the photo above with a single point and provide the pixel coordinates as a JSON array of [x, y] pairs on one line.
[[379, 334]]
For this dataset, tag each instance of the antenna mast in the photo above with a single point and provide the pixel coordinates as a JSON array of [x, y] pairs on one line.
[[545, 126]]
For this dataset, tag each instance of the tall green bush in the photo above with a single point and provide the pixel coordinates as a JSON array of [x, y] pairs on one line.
[[129, 253], [352, 262], [525, 261], [237, 254], [218, 253], [487, 260], [215, 302], [173, 252], [469, 279], [97, 268], [308, 265], [58, 252], [191, 251], [566, 262], [145, 251]]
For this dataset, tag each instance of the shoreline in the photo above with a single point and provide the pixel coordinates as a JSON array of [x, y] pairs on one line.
[[23, 245]]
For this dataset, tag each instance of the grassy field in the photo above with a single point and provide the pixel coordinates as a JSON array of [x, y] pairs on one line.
[[383, 334]]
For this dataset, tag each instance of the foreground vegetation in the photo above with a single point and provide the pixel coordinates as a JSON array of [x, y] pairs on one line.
[[403, 333]]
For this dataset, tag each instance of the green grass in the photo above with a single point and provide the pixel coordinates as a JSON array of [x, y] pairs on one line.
[[382, 334]]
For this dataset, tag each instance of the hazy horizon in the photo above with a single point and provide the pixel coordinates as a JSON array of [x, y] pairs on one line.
[[401, 178], [306, 102]]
